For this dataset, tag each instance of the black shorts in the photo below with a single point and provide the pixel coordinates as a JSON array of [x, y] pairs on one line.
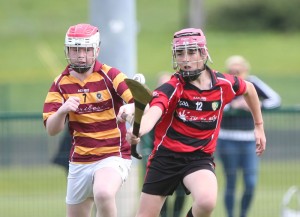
[[167, 169]]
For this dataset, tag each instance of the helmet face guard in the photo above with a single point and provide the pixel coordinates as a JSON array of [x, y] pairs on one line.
[[185, 42], [78, 62], [81, 46], [180, 54]]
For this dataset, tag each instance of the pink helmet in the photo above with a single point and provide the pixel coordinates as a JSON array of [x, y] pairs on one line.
[[189, 38], [82, 36]]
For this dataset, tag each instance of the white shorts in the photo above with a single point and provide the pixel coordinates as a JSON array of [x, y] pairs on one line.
[[81, 177]]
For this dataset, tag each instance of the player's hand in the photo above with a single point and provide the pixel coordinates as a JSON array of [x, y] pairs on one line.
[[71, 104], [132, 139], [260, 139], [126, 113]]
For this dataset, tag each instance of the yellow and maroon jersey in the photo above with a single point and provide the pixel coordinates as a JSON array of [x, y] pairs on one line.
[[96, 134], [191, 117]]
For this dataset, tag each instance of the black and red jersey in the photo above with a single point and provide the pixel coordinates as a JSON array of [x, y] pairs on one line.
[[191, 117]]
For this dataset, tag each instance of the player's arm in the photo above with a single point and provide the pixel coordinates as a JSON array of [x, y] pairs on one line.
[[55, 122], [253, 102], [149, 119]]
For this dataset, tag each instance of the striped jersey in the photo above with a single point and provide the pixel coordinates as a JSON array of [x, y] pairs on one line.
[[96, 134], [191, 117]]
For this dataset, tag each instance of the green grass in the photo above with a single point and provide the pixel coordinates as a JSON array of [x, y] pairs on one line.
[[34, 191], [40, 191], [275, 178]]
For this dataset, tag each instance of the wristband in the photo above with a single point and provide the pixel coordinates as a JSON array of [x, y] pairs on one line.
[[258, 123]]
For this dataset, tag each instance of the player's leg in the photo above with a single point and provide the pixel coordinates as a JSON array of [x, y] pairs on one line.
[[164, 173], [203, 187], [249, 163], [106, 184], [80, 210], [150, 205], [79, 191], [108, 178]]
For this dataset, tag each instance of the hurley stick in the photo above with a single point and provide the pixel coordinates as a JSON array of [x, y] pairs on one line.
[[142, 96]]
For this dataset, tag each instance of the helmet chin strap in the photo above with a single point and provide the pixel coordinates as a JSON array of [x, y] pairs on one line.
[[81, 69], [189, 76]]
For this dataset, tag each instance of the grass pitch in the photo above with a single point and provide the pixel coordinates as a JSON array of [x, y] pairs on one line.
[[40, 191]]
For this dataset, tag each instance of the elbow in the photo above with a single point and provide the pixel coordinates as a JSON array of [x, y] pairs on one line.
[[52, 127], [51, 132]]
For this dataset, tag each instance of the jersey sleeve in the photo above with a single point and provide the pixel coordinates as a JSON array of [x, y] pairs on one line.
[[117, 78], [164, 95], [159, 100], [241, 86], [53, 102], [238, 84]]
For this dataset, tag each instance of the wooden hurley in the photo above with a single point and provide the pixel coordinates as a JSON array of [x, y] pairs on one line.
[[142, 96]]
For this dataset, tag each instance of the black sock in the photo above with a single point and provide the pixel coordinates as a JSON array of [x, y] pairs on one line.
[[190, 214]]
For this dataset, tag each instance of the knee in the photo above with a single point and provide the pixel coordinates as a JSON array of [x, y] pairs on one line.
[[204, 206], [103, 195]]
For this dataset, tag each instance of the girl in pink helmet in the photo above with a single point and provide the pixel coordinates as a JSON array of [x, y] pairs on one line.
[[186, 113]]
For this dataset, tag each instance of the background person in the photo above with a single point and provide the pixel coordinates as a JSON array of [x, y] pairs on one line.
[[90, 95], [61, 158], [186, 113], [236, 144]]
